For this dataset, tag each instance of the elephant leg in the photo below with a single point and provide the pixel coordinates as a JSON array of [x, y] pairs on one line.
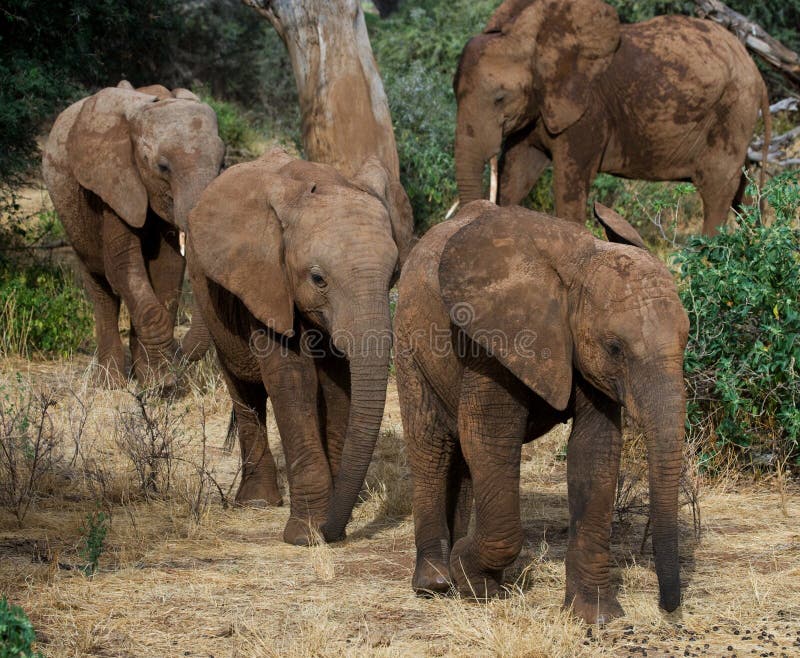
[[574, 169], [291, 381], [430, 443], [520, 167], [258, 484], [459, 497], [110, 353], [492, 415], [334, 406], [127, 273], [593, 455], [718, 191]]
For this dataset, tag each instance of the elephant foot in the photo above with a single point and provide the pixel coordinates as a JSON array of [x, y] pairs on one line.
[[302, 532], [106, 374], [431, 576], [154, 367], [258, 492], [596, 610], [471, 580]]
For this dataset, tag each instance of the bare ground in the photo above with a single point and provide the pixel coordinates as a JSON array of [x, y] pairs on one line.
[[170, 585]]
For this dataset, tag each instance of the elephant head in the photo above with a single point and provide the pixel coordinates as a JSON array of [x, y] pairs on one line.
[[137, 150], [536, 59], [288, 238], [565, 301]]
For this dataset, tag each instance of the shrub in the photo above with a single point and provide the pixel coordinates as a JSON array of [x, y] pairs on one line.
[[417, 49], [93, 537], [29, 447], [740, 288], [42, 310], [16, 632], [235, 128]]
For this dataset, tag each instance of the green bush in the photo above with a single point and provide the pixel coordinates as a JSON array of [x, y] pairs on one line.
[[235, 127], [741, 289], [417, 49], [93, 537], [42, 310], [16, 632]]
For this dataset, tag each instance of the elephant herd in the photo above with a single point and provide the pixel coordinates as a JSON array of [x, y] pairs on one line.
[[508, 321]]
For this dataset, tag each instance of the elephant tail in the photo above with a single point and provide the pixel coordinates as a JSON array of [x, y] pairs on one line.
[[765, 114], [232, 433]]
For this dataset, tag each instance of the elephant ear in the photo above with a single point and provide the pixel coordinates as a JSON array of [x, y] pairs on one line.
[[236, 234], [185, 94], [101, 155], [160, 91], [616, 227], [374, 179], [502, 291], [575, 44]]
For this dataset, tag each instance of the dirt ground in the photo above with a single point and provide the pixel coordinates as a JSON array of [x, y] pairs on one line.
[[221, 583]]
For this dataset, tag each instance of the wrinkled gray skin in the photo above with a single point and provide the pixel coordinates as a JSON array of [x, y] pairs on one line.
[[546, 323], [123, 169]]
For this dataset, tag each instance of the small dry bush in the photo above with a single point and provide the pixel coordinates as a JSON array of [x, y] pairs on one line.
[[30, 447], [148, 434]]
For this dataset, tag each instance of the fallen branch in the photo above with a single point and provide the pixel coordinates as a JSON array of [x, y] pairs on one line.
[[753, 36], [790, 104], [778, 143]]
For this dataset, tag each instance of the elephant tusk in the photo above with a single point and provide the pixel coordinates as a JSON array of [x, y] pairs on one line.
[[493, 180], [452, 210], [182, 243]]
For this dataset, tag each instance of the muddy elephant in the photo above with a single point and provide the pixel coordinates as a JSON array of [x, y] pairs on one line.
[[673, 98], [123, 168], [509, 322], [291, 265]]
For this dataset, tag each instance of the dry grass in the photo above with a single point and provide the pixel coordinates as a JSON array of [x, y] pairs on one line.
[[174, 581]]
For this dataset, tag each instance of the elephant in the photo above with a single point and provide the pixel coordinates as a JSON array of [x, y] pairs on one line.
[[509, 322], [291, 265], [123, 168], [670, 99]]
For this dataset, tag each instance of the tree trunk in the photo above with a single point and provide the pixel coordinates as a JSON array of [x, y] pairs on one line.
[[345, 112]]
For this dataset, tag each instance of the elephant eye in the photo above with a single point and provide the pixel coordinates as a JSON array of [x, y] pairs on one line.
[[614, 348], [163, 166], [317, 279], [499, 99]]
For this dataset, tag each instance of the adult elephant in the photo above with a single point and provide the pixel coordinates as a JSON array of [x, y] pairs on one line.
[[543, 322], [672, 98], [291, 265], [123, 169]]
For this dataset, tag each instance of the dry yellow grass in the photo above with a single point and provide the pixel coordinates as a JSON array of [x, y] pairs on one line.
[[170, 585]]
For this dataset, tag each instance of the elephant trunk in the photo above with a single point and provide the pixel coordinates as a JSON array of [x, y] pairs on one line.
[[198, 339], [662, 417], [369, 353], [187, 191], [471, 154]]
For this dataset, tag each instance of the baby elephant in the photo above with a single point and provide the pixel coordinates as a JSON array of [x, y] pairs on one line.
[[124, 168], [291, 264], [509, 322]]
